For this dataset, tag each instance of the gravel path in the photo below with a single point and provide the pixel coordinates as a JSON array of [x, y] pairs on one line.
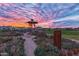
[[29, 45]]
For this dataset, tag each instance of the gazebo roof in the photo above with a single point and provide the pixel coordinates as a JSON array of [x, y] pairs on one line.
[[32, 21]]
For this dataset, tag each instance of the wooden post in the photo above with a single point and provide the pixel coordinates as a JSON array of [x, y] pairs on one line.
[[57, 39]]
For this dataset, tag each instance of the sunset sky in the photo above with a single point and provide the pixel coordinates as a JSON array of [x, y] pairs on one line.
[[47, 14]]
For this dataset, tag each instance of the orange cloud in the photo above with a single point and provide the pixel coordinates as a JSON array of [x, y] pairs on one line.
[[16, 22]]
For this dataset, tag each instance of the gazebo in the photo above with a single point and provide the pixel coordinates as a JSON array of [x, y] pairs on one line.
[[32, 23], [57, 33]]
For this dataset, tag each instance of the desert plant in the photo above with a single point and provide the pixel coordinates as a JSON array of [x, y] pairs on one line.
[[48, 51]]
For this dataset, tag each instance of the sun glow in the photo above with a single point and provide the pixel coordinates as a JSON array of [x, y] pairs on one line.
[[16, 22]]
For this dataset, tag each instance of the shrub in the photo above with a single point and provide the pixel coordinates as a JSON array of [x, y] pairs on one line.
[[49, 51]]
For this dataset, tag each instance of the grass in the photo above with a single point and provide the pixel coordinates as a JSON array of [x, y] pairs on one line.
[[70, 34]]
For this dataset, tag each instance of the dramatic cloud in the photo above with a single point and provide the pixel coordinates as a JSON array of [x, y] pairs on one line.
[[48, 15]]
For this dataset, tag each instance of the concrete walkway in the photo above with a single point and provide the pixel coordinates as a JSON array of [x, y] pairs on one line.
[[29, 44], [77, 41]]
